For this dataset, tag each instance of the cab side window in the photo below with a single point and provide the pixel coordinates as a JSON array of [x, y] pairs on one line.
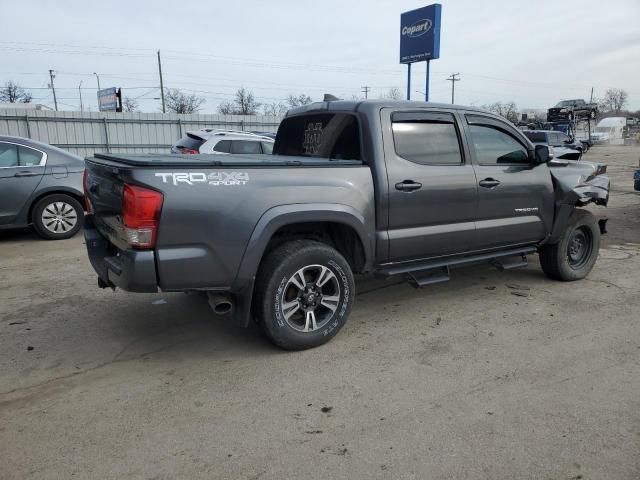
[[426, 138], [8, 155], [496, 147]]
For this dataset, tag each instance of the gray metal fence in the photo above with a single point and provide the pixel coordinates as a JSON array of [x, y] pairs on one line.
[[89, 132]]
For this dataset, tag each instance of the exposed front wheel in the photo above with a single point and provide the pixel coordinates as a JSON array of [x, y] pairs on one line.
[[57, 216], [304, 294], [573, 257]]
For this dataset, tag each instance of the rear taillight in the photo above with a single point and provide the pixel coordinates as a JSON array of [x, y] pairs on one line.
[[141, 214], [188, 151], [87, 203]]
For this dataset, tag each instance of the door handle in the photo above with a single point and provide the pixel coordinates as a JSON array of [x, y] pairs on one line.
[[408, 186], [489, 182], [25, 174]]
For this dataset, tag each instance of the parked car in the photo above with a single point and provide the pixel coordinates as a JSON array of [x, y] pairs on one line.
[[40, 185], [572, 110], [563, 146], [405, 189], [223, 141]]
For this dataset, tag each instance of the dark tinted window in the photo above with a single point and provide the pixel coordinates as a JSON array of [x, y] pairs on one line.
[[324, 135], [493, 146], [267, 147], [427, 142], [29, 157], [191, 142], [8, 155], [245, 146], [536, 137], [223, 146]]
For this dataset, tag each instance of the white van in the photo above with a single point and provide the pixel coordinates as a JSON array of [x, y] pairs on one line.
[[609, 130]]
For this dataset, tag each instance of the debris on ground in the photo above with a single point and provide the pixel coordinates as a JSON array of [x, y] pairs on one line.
[[326, 409]]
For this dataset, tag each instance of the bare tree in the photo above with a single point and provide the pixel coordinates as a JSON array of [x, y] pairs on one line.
[[393, 93], [244, 103], [14, 93], [129, 104], [508, 110], [227, 108], [298, 100], [276, 109], [614, 100], [179, 102]]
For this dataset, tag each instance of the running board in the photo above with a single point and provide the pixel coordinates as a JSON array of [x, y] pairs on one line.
[[421, 278], [425, 273]]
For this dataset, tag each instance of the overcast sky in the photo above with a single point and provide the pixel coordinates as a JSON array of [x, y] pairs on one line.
[[532, 52]]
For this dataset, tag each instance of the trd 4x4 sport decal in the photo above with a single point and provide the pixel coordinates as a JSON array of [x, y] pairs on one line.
[[227, 179]]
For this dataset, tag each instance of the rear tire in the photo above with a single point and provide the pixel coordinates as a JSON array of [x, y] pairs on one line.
[[58, 216], [304, 294], [573, 257]]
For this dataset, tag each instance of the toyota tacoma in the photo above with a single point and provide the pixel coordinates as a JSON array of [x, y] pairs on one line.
[[397, 189]]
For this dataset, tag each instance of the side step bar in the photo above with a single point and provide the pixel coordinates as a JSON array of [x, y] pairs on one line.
[[435, 271]]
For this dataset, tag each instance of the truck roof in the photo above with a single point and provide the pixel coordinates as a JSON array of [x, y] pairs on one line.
[[371, 106]]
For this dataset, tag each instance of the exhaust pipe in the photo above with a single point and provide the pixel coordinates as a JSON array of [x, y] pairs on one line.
[[220, 303]]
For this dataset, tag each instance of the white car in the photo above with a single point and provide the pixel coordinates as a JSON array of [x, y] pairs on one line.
[[213, 141]]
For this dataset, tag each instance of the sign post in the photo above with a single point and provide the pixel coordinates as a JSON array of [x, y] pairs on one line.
[[420, 40]]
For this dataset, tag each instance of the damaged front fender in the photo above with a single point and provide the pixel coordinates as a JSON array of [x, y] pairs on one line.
[[576, 184], [580, 183]]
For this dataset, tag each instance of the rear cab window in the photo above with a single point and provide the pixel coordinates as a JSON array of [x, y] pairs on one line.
[[334, 136]]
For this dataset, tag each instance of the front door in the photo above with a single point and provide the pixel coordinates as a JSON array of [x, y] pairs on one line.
[[432, 185], [515, 195], [21, 169]]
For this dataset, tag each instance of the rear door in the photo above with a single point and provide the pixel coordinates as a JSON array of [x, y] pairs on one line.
[[432, 185], [515, 196], [21, 170]]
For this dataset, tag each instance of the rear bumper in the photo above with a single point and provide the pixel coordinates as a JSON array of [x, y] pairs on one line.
[[130, 270]]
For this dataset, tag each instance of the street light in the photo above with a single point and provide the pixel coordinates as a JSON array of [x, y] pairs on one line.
[[98, 77], [80, 92]]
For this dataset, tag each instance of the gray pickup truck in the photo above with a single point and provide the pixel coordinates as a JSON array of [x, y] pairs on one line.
[[393, 188]]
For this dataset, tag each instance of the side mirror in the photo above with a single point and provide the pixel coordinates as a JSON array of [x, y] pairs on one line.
[[542, 154]]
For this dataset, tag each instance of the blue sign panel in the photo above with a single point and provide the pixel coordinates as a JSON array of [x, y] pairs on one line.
[[420, 34], [107, 100]]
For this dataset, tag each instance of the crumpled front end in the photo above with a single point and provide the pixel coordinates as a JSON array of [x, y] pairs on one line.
[[580, 183]]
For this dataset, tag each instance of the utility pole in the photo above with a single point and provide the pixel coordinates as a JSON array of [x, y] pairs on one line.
[[365, 90], [591, 99], [52, 75], [80, 92], [453, 81], [161, 83]]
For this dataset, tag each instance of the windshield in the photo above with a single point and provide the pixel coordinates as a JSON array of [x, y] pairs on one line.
[[565, 103]]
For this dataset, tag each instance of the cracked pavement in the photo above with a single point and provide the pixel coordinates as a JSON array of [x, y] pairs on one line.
[[456, 380]]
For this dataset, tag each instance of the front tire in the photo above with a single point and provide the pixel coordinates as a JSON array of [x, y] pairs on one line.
[[57, 216], [573, 257], [304, 294]]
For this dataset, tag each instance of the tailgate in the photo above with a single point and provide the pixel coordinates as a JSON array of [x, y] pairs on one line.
[[104, 184]]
